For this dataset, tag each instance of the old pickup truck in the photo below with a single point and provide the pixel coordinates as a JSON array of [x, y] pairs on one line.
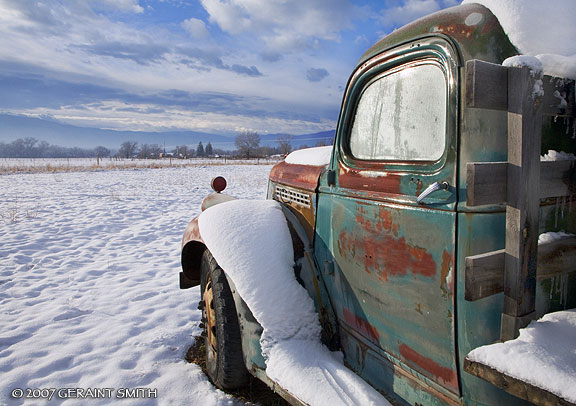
[[418, 240]]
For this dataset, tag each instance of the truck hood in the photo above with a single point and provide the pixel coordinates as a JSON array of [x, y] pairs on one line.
[[297, 176]]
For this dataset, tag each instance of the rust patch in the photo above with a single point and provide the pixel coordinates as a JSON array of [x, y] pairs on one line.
[[299, 176], [419, 308], [388, 256], [456, 30], [362, 325], [431, 368], [444, 270], [192, 232], [358, 180]]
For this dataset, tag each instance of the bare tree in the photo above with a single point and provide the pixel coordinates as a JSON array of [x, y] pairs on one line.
[[102, 152], [127, 149], [247, 143], [285, 142], [182, 151]]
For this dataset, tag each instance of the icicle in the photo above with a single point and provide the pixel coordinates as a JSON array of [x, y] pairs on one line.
[[563, 206], [556, 209], [565, 290]]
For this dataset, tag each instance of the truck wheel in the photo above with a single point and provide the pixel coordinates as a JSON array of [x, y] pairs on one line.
[[222, 339]]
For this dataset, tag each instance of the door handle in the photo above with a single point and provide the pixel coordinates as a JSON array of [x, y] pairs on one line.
[[431, 189]]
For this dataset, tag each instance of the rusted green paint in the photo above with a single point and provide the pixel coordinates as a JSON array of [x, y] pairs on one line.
[[387, 274], [475, 29]]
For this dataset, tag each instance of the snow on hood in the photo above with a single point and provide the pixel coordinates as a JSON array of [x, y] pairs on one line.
[[545, 30], [250, 240], [319, 156]]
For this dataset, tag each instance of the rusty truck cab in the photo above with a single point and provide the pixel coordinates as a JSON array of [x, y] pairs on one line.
[[389, 268]]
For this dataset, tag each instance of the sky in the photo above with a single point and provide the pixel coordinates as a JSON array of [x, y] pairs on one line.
[[218, 66]]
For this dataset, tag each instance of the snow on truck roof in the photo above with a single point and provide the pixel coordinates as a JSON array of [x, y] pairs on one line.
[[544, 30]]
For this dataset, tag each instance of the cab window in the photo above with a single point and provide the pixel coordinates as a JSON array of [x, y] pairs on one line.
[[401, 116]]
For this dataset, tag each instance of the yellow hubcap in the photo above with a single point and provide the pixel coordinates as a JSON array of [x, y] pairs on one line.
[[210, 314]]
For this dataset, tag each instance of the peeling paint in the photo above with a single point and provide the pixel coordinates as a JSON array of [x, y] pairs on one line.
[[445, 278], [428, 366], [362, 325], [388, 256]]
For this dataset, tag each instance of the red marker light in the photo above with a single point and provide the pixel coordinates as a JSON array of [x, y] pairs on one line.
[[218, 184]]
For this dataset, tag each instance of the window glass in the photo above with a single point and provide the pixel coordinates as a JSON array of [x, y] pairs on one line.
[[402, 116]]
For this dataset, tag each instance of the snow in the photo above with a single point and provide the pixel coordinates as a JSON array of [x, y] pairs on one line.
[[544, 30], [543, 355], [552, 155], [545, 238], [89, 294], [318, 156], [519, 61], [34, 165], [251, 242]]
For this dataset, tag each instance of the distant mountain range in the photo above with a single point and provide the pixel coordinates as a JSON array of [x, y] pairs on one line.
[[13, 127]]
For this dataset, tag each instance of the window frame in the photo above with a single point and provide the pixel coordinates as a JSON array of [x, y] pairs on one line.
[[437, 50]]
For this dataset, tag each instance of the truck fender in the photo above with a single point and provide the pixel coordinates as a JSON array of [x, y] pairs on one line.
[[308, 274], [193, 245]]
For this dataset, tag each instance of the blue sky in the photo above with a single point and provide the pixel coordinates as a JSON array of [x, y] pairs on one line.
[[218, 66]]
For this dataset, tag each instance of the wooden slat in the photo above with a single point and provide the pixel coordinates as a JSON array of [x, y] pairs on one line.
[[557, 178], [487, 84], [522, 202], [514, 386], [487, 181], [484, 275]]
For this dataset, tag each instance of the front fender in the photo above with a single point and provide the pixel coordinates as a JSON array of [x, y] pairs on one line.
[[193, 245]]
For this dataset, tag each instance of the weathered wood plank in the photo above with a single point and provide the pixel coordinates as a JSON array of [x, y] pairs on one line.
[[486, 182], [514, 386], [557, 178], [523, 201], [486, 85], [484, 274]]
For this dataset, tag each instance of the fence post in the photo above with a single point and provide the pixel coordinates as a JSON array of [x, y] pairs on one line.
[[523, 199]]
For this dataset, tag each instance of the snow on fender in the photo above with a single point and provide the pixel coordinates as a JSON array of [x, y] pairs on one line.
[[250, 240]]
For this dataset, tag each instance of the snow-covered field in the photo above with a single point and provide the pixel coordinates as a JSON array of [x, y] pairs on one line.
[[34, 165], [89, 293]]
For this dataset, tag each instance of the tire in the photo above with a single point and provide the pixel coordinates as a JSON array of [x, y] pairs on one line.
[[222, 338]]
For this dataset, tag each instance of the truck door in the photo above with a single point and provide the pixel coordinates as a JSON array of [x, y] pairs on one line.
[[388, 260]]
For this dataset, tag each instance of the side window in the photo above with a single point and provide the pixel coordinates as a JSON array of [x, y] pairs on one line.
[[401, 116]]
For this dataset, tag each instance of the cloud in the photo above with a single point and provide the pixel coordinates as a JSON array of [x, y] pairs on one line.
[[141, 53], [316, 75], [245, 70], [409, 11], [283, 25], [132, 6], [203, 60], [196, 28]]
